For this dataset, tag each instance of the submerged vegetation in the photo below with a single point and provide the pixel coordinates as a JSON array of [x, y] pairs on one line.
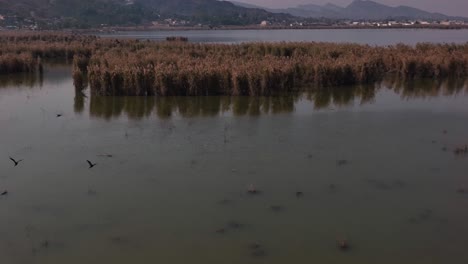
[[132, 67]]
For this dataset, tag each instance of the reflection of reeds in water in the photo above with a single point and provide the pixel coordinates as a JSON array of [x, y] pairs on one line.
[[137, 107], [324, 97], [421, 88], [164, 107], [21, 79], [79, 101]]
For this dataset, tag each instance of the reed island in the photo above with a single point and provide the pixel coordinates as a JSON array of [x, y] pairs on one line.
[[148, 68]]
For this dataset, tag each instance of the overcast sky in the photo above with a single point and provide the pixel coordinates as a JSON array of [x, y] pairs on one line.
[[448, 7]]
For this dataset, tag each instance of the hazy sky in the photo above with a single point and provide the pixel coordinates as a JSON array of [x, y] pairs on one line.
[[449, 7]]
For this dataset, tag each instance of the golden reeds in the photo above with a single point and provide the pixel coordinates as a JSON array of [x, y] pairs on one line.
[[132, 67], [262, 68]]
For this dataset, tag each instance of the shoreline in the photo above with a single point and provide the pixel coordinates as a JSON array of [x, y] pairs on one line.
[[256, 27], [231, 28]]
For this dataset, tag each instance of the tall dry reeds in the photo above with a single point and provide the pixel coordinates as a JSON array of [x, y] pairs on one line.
[[24, 52], [132, 67], [143, 68]]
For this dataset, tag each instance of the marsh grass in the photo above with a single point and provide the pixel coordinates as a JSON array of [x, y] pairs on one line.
[[24, 52], [145, 68], [263, 68]]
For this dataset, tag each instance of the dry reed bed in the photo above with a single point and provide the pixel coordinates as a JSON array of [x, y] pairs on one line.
[[23, 52], [132, 67], [142, 68]]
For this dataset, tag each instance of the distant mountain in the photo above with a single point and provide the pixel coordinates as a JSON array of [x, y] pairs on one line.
[[217, 12], [362, 9], [247, 5], [78, 13], [86, 13]]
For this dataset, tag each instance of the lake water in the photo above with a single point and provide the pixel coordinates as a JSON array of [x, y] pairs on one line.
[[375, 165], [363, 36]]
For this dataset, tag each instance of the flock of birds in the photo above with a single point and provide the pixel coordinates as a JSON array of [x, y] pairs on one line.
[[17, 162], [258, 250]]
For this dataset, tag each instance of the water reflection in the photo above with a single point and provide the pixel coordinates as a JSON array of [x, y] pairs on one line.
[[23, 79], [79, 100], [321, 98], [426, 87], [165, 107], [53, 73], [326, 97]]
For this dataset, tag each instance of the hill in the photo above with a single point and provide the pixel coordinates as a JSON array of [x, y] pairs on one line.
[[90, 13], [362, 9]]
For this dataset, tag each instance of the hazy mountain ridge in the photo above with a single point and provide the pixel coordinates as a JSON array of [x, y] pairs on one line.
[[135, 12], [361, 9]]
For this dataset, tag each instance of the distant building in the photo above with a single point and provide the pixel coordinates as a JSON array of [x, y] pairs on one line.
[[264, 23]]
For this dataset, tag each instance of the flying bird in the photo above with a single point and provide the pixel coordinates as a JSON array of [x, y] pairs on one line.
[[91, 165], [4, 193], [15, 161], [59, 115]]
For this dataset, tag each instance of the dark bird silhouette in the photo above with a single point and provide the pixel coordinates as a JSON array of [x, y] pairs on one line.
[[15, 161], [59, 115], [299, 194], [91, 165], [4, 193]]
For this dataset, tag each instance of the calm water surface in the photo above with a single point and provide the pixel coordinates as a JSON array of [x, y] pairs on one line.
[[180, 168], [363, 36]]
